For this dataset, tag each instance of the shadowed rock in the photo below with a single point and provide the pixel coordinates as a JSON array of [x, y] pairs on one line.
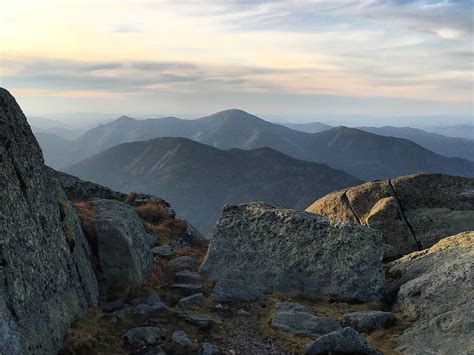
[[367, 321], [342, 341], [124, 253], [46, 277]]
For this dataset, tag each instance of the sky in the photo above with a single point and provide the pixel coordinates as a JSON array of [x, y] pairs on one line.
[[185, 58]]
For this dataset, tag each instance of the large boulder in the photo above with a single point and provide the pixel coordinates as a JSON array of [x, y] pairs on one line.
[[46, 279], [436, 290], [271, 249], [412, 212], [122, 247]]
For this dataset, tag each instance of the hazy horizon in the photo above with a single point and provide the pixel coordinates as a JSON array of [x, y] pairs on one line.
[[293, 59]]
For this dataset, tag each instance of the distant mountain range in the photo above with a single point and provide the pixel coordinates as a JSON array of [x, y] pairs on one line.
[[447, 146], [365, 155], [438, 143], [459, 131], [198, 179]]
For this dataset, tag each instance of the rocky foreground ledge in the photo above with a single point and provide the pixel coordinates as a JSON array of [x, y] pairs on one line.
[[86, 270]]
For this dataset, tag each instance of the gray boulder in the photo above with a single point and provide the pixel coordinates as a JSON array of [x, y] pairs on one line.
[[230, 290], [122, 247], [436, 291], [272, 249], [181, 338], [368, 321], [208, 349], [46, 278], [142, 337], [342, 341], [294, 318], [412, 212]]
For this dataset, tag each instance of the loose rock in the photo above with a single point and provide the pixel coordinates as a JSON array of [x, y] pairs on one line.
[[188, 289], [196, 319], [208, 349], [151, 306], [187, 277], [164, 251], [181, 338], [345, 340], [142, 337], [295, 319], [367, 321]]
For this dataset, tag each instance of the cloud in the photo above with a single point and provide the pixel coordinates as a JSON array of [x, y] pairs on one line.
[[128, 28]]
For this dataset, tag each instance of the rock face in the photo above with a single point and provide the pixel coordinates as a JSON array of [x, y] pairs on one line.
[[46, 279], [436, 290], [412, 212], [273, 249], [367, 321], [124, 254]]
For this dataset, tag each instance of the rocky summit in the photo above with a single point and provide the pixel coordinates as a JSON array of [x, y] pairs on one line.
[[88, 270], [272, 249], [412, 212]]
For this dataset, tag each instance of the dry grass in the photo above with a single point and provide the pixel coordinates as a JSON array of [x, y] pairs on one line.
[[160, 275], [152, 212], [89, 336], [199, 252], [130, 199], [167, 229]]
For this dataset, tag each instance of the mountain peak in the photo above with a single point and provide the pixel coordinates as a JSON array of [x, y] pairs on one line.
[[233, 115], [124, 119]]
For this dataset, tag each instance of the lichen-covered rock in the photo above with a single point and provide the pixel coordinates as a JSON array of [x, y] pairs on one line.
[[342, 341], [227, 290], [46, 280], [436, 291], [271, 249], [367, 321], [208, 349], [191, 301], [412, 212], [294, 318], [122, 247], [183, 263]]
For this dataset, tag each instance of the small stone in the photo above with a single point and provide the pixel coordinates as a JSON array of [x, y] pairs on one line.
[[368, 321], [182, 263], [188, 289], [151, 306], [141, 337], [208, 349], [345, 340], [192, 300], [227, 290], [181, 338], [187, 276], [112, 306], [156, 350], [196, 319], [164, 251], [294, 318]]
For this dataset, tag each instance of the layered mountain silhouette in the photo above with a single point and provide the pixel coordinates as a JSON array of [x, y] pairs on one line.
[[198, 180], [447, 146], [312, 127], [365, 155]]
